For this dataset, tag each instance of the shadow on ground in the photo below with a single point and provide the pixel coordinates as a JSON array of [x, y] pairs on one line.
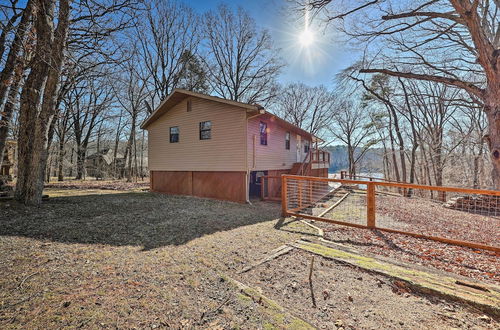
[[141, 219]]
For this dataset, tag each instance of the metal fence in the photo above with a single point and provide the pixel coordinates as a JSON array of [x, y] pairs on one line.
[[465, 217]]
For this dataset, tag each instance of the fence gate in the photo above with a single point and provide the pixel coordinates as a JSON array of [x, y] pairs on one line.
[[465, 217]]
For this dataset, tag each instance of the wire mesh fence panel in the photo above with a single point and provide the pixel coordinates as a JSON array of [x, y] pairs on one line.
[[467, 217], [326, 199], [451, 215], [349, 208]]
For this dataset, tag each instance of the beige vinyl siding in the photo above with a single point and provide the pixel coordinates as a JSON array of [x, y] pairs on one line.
[[225, 151], [272, 156]]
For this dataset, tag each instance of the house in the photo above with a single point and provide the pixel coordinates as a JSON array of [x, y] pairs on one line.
[[103, 164], [211, 147], [8, 169]]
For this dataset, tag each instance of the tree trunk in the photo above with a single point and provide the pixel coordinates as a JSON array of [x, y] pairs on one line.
[[71, 162], [60, 155], [493, 138], [8, 111], [129, 149], [80, 162], [29, 184], [475, 173], [12, 74], [13, 58], [115, 149], [352, 165], [34, 120]]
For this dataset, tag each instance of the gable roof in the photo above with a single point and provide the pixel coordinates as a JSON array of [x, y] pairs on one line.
[[180, 94]]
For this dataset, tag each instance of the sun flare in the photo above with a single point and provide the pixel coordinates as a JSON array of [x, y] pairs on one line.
[[306, 38]]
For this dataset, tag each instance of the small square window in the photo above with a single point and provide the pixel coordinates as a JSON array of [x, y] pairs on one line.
[[287, 140], [174, 134], [205, 130], [263, 133]]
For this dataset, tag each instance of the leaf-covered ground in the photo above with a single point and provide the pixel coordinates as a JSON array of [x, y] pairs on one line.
[[97, 184], [427, 217]]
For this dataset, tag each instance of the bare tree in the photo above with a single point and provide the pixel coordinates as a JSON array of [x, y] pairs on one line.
[[132, 99], [37, 109], [466, 33], [63, 126], [11, 75], [242, 63], [168, 33], [355, 129], [309, 108], [90, 101], [9, 15]]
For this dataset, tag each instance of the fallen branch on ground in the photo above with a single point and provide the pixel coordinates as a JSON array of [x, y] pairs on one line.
[[310, 282]]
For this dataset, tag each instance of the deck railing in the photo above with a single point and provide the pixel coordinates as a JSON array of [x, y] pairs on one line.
[[320, 156]]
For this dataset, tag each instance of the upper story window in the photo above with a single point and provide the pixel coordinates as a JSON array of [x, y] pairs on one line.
[[306, 146], [205, 130], [287, 140], [174, 134], [189, 106], [263, 133]]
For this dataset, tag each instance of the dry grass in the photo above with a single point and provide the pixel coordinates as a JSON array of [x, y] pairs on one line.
[[131, 260]]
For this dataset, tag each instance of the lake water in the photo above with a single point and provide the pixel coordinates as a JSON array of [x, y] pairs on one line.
[[373, 175]]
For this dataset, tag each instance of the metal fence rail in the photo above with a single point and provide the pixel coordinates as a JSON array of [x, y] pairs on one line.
[[465, 217]]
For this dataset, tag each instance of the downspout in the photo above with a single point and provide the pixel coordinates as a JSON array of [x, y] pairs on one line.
[[247, 176]]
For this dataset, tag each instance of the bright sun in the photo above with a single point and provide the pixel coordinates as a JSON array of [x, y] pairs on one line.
[[306, 38]]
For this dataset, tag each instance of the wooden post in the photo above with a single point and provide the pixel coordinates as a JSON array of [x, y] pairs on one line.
[[310, 192], [370, 205], [283, 196], [300, 194], [262, 187]]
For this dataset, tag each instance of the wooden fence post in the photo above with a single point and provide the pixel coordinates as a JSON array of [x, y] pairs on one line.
[[310, 191], [283, 196], [262, 187], [370, 205], [300, 194]]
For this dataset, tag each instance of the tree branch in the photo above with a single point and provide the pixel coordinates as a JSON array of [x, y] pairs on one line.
[[469, 87]]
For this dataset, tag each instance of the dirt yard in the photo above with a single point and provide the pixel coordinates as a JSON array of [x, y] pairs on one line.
[[113, 259], [346, 297]]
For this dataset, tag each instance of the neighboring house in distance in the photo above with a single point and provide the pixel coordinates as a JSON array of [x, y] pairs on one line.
[[102, 164], [207, 146], [8, 170]]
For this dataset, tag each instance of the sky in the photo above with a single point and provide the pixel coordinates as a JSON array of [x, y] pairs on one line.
[[314, 65]]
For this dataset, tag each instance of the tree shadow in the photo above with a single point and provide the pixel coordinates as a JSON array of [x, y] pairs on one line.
[[282, 225], [139, 219]]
